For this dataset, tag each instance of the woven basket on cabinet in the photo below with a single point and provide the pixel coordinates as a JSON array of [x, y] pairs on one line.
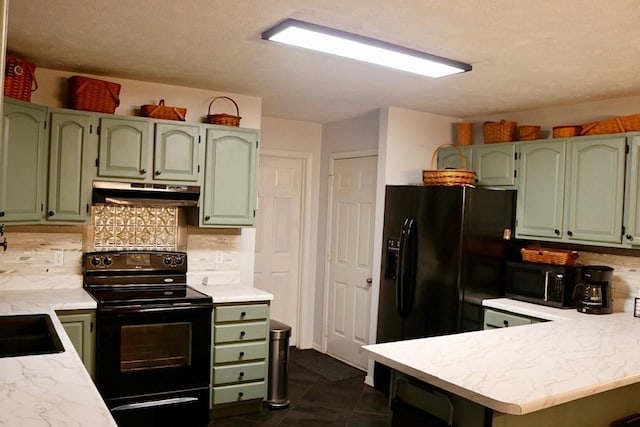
[[448, 177], [19, 78]]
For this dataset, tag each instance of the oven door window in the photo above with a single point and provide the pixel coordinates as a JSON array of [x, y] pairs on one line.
[[155, 346]]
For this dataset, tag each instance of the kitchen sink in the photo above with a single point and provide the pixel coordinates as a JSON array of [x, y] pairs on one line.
[[28, 334]]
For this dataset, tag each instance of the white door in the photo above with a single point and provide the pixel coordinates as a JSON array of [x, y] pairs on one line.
[[278, 234], [353, 198]]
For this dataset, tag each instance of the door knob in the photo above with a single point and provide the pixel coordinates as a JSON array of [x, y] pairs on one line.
[[369, 282]]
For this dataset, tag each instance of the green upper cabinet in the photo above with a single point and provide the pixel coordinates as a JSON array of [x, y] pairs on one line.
[[572, 190], [229, 189], [632, 196], [129, 149], [495, 164], [124, 148], [72, 150], [176, 152], [595, 189], [541, 181], [23, 166]]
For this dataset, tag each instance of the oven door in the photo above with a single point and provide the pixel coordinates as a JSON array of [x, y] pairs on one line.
[[150, 350]]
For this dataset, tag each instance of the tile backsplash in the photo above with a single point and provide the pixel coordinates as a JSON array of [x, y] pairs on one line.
[[135, 227]]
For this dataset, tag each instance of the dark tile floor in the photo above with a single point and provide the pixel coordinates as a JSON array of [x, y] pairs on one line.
[[316, 401]]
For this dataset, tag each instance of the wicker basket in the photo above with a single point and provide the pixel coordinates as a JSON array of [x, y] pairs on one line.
[[161, 111], [566, 131], [502, 131], [19, 78], [602, 127], [223, 119], [630, 123], [544, 256], [528, 133], [465, 133], [448, 177], [93, 95]]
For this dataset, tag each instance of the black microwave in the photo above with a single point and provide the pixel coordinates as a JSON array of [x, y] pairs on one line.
[[552, 285]]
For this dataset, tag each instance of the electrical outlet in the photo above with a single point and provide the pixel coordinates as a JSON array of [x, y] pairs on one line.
[[58, 257], [219, 257]]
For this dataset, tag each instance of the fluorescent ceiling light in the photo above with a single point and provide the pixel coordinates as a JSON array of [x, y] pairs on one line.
[[341, 43]]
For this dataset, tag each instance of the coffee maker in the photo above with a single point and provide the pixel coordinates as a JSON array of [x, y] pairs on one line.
[[594, 293]]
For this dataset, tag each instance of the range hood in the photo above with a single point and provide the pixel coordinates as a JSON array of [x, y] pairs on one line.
[[144, 194]]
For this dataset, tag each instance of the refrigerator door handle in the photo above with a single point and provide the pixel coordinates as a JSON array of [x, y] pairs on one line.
[[406, 267]]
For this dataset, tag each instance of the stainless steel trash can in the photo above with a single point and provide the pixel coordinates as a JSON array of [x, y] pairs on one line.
[[279, 334]]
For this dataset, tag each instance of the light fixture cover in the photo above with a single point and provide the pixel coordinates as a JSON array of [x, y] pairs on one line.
[[349, 45]]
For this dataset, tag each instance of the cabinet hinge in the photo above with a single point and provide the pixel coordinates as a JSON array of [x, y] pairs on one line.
[[626, 148], [41, 207], [198, 168], [98, 129], [623, 230], [256, 143], [45, 124], [515, 156], [98, 162], [87, 207], [515, 173], [91, 327], [199, 139], [254, 213], [90, 129]]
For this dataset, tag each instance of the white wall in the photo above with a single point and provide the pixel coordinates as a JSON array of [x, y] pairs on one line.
[[52, 86], [356, 134], [294, 138]]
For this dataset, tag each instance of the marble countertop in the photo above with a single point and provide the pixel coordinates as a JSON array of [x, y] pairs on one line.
[[523, 369], [50, 389], [56, 389], [233, 293]]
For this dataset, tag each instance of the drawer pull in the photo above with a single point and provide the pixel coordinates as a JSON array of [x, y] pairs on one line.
[[244, 313], [241, 374], [242, 354], [242, 334], [240, 394]]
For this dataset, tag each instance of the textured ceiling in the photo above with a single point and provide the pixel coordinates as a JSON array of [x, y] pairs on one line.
[[525, 54]]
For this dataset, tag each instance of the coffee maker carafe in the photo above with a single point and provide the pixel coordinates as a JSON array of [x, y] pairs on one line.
[[594, 293]]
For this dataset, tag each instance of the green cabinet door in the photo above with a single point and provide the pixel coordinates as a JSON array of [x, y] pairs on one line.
[[176, 152], [229, 187], [23, 167], [72, 150], [541, 180], [632, 196], [495, 164], [78, 324], [595, 189], [124, 148]]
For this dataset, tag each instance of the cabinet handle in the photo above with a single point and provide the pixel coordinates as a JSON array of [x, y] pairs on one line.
[[143, 171], [1, 213], [244, 313], [506, 323], [240, 394], [629, 237], [569, 233], [242, 334], [242, 354], [157, 173], [51, 213], [207, 218], [241, 374], [557, 232]]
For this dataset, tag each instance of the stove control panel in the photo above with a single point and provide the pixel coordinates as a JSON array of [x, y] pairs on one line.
[[135, 261]]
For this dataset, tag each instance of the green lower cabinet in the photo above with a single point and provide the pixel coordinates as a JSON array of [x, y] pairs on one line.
[[79, 325], [240, 354]]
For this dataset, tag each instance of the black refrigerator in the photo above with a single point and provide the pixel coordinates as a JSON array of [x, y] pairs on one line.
[[444, 251]]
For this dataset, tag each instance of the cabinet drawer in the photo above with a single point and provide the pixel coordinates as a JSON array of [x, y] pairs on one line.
[[496, 319], [239, 352], [238, 373], [246, 331], [237, 313], [237, 393]]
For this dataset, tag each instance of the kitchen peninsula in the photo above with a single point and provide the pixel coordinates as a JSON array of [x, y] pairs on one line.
[[576, 369]]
